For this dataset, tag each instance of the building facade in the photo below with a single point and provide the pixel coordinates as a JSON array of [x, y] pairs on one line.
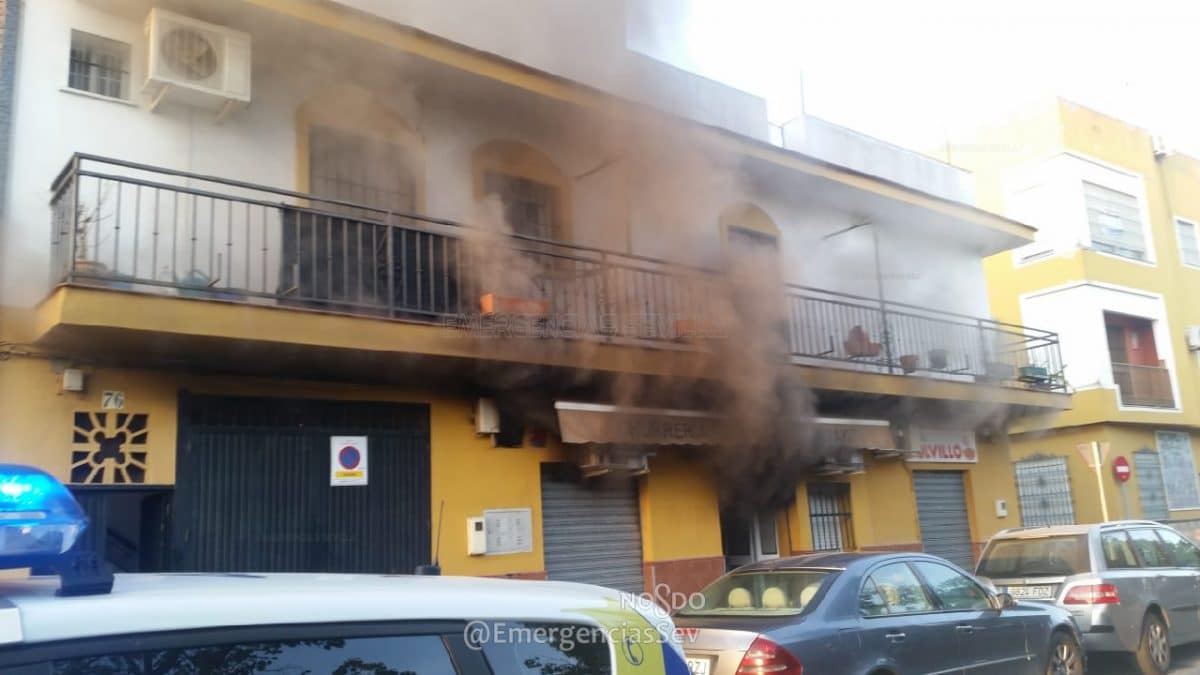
[[1112, 270], [340, 286]]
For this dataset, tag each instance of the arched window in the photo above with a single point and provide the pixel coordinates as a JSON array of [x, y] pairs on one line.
[[748, 231], [533, 191]]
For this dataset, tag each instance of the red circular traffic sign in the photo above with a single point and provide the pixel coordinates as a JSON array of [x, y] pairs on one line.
[[1121, 468]]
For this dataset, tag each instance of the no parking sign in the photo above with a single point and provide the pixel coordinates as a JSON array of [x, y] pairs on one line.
[[347, 460]]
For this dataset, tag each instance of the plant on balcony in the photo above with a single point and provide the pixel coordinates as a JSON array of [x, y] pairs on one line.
[[858, 344], [491, 304], [198, 284], [909, 362], [939, 358]]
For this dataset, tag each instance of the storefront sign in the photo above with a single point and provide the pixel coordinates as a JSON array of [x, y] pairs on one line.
[[943, 445], [347, 460], [508, 530]]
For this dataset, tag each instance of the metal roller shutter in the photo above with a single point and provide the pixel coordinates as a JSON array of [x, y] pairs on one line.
[[1044, 491], [1152, 494], [942, 513], [591, 530], [253, 493]]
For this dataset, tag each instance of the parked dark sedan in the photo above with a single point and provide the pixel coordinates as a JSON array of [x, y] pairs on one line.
[[871, 614]]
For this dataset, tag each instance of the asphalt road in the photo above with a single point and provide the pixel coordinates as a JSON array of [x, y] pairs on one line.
[[1186, 661]]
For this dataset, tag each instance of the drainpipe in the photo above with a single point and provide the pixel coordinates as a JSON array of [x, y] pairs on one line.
[[8, 79]]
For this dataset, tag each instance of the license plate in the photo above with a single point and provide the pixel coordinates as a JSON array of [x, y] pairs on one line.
[[698, 666], [1031, 592]]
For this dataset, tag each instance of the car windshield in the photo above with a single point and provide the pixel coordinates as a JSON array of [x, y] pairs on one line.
[[759, 593], [1044, 556]]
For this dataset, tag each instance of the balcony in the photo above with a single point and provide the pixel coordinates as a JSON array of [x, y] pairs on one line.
[[129, 227], [1144, 386]]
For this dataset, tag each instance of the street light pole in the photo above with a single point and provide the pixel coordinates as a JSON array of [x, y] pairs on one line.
[[883, 313]]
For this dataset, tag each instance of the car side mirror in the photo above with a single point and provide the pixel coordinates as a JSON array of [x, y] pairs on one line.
[[1005, 601]]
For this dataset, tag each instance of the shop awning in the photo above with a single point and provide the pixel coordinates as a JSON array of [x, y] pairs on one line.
[[856, 434], [602, 423]]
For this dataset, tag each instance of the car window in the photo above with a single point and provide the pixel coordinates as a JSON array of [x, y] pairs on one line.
[[953, 590], [1118, 554], [759, 592], [417, 654], [1149, 548], [1055, 556], [537, 649], [1180, 550], [870, 601], [900, 590]]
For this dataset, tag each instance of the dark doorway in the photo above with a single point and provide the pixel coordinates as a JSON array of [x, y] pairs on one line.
[[129, 527]]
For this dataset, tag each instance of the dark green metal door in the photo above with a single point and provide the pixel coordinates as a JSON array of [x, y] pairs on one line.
[[253, 495]]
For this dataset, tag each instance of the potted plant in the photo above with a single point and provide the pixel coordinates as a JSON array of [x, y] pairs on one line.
[[908, 362], [938, 358]]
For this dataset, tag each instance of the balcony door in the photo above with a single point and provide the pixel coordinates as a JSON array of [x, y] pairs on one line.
[[1137, 369], [337, 252], [1131, 340], [748, 539]]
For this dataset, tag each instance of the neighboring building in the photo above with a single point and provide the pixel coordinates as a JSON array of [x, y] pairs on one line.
[[508, 262], [1114, 270]]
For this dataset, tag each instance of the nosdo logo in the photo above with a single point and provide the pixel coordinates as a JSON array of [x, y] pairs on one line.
[[663, 597]]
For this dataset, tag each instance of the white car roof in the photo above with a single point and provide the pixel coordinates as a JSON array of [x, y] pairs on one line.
[[141, 603]]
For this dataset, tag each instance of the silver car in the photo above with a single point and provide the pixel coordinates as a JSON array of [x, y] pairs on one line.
[[1132, 586]]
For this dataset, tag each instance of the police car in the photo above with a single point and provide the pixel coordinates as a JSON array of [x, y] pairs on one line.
[[81, 619]]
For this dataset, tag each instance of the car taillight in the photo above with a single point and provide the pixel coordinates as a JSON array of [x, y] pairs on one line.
[[1093, 594], [764, 656]]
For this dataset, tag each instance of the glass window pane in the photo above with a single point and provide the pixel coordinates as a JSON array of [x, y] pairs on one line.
[[760, 593], [1115, 221], [98, 64], [1043, 556], [870, 602], [954, 590], [536, 649], [768, 543], [1180, 550], [1149, 548], [901, 591], [1118, 554], [1189, 248], [396, 654]]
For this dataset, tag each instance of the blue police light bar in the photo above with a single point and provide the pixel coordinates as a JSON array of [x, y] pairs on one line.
[[40, 523]]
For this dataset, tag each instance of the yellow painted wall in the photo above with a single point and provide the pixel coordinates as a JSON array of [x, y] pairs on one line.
[[884, 507], [37, 417], [678, 498], [1122, 440], [1171, 186], [679, 508]]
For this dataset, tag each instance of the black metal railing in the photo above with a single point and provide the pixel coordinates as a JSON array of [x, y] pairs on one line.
[[1145, 386], [136, 227], [896, 337]]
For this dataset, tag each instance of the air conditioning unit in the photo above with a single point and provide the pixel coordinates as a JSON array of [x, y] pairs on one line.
[[597, 462], [1193, 338], [487, 417], [195, 62]]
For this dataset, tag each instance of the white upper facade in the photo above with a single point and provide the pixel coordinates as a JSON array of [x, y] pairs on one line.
[[633, 188]]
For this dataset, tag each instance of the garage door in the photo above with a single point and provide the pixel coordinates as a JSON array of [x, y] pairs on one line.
[[942, 512], [1152, 495], [253, 494], [1044, 491], [591, 530]]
